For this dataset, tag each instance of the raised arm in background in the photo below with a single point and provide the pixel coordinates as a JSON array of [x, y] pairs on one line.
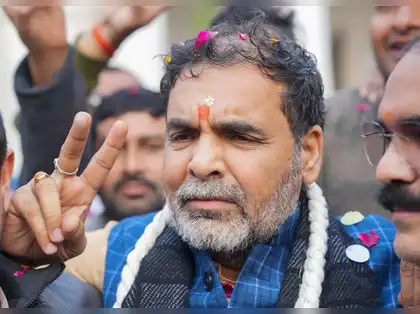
[[92, 56], [48, 86]]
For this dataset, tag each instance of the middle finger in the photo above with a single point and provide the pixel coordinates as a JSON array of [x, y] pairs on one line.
[[48, 196]]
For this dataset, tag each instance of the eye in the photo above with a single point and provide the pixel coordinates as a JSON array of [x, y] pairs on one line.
[[238, 137], [411, 132], [181, 137], [155, 147], [385, 8]]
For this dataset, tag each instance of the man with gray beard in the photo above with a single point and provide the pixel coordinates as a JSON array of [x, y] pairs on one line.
[[202, 230], [245, 224]]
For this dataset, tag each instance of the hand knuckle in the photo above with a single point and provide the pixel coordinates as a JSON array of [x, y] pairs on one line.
[[70, 154], [103, 163], [22, 201], [38, 225], [407, 269], [51, 218], [47, 185]]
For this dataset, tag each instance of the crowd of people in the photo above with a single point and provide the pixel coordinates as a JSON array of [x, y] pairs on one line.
[[237, 186]]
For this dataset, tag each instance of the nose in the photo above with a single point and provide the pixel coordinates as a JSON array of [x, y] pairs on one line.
[[407, 17], [393, 167], [134, 162], [207, 160]]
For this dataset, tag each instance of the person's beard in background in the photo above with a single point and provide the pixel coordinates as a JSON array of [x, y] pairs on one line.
[[118, 207]]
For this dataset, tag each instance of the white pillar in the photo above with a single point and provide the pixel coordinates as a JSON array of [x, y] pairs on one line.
[[314, 32]]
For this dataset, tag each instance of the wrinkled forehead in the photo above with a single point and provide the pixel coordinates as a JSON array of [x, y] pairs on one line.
[[239, 90], [401, 98]]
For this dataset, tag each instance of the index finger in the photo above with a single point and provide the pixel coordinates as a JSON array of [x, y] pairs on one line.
[[104, 159], [72, 150]]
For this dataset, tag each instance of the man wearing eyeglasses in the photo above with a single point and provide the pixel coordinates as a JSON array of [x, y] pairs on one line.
[[349, 182], [392, 144]]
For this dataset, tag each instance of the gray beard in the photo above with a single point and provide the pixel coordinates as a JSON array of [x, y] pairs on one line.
[[206, 232]]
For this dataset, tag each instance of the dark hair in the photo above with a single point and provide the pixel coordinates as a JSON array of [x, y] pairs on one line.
[[3, 142], [128, 100], [235, 15], [276, 56]]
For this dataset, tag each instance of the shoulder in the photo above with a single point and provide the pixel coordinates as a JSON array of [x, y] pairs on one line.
[[383, 260]]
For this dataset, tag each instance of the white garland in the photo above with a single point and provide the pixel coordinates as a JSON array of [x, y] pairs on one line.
[[143, 246], [313, 276]]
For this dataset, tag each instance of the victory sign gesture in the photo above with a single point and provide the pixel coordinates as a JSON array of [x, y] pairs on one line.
[[45, 222]]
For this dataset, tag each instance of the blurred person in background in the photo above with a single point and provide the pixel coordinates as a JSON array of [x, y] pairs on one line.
[[348, 181], [134, 184]]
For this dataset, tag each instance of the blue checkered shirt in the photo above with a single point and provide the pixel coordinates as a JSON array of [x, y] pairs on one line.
[[259, 283]]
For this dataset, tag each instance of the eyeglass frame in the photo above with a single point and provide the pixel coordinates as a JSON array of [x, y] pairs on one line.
[[384, 134]]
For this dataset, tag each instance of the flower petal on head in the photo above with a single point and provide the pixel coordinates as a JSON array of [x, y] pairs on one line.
[[274, 41], [203, 38], [243, 36]]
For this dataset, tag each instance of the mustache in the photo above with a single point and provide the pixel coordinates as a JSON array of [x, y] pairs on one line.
[[396, 33], [136, 179], [210, 190], [396, 195]]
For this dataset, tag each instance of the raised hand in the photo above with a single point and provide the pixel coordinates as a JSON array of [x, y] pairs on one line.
[[130, 18], [45, 222], [41, 28]]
